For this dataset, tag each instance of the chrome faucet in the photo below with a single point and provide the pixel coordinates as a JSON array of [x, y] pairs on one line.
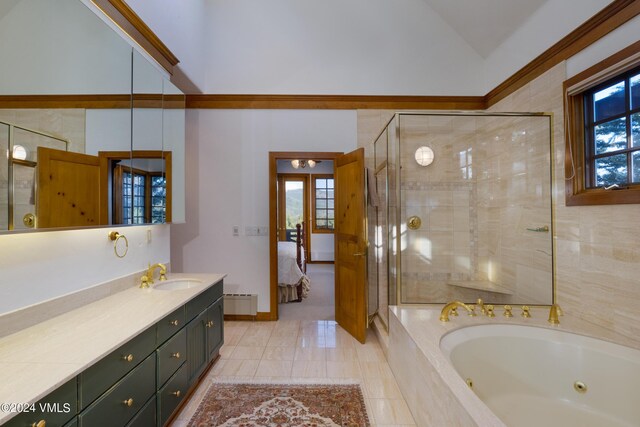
[[147, 279], [554, 312], [447, 309]]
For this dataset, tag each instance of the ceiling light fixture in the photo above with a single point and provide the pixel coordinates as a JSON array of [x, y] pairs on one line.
[[301, 164]]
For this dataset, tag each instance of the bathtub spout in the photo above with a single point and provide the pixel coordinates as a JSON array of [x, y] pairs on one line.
[[447, 309], [554, 312]]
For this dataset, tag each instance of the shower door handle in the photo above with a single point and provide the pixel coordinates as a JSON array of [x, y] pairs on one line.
[[360, 254]]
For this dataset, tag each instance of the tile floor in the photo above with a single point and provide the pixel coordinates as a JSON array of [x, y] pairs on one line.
[[306, 351]]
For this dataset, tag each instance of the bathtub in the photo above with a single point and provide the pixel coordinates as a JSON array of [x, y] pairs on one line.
[[535, 376]]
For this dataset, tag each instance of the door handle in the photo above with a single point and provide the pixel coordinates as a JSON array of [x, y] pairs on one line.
[[360, 254]]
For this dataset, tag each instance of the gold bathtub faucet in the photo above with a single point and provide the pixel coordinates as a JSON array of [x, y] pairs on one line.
[[447, 309], [554, 312], [147, 279]]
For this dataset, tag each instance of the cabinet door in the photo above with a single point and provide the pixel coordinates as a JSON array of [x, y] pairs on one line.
[[215, 330], [196, 347]]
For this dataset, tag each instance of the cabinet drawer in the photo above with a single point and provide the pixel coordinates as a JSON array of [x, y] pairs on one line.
[[147, 415], [99, 377], [122, 401], [170, 325], [56, 409], [171, 356], [170, 396], [204, 300]]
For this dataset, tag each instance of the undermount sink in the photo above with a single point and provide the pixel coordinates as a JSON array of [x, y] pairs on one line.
[[177, 284]]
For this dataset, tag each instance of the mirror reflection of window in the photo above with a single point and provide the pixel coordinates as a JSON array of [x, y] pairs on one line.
[[143, 197]]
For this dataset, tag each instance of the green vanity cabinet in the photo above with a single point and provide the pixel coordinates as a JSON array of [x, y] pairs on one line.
[[118, 405], [99, 377], [171, 356], [215, 331], [172, 394], [197, 354], [170, 324], [55, 409], [144, 381], [147, 415]]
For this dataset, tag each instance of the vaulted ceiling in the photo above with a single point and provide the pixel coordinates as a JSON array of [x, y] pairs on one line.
[[485, 24]]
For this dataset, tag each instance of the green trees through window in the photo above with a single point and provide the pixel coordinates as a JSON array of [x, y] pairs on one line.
[[612, 132]]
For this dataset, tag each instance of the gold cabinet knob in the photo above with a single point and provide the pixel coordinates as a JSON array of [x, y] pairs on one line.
[[176, 393], [174, 322], [128, 402], [41, 423], [176, 355], [210, 324], [128, 358]]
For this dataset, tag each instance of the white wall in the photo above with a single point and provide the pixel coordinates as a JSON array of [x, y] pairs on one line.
[[40, 266], [368, 47], [227, 184], [550, 23], [181, 27], [613, 42]]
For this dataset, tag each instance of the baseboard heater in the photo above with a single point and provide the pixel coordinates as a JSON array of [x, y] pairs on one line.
[[240, 304]]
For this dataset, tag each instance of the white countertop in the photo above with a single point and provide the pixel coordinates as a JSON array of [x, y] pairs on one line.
[[39, 359]]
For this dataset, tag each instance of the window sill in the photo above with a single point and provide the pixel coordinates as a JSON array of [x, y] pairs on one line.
[[592, 197]]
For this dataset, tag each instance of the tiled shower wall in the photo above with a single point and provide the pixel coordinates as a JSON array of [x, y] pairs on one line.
[[488, 184], [597, 247]]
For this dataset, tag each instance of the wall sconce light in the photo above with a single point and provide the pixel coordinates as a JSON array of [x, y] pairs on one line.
[[424, 156], [19, 152], [297, 164]]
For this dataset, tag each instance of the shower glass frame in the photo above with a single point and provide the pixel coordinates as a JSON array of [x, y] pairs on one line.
[[392, 133]]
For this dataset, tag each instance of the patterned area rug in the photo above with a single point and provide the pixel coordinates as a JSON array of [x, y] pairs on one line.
[[281, 405]]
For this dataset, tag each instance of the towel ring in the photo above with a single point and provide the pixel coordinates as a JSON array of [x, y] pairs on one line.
[[115, 237]]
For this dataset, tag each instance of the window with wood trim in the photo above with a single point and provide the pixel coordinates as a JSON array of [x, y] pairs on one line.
[[141, 196], [322, 203], [603, 132]]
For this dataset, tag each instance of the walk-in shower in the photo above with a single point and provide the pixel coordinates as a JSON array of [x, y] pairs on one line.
[[460, 208], [17, 173]]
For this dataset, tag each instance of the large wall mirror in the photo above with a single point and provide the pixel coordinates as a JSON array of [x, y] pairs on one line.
[[88, 138]]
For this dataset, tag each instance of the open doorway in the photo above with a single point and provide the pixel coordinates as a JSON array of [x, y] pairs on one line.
[[304, 189]]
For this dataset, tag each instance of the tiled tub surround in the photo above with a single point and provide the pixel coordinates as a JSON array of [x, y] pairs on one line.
[[433, 390], [38, 359]]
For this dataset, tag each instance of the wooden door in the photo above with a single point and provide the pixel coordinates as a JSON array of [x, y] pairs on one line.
[[68, 192], [351, 244]]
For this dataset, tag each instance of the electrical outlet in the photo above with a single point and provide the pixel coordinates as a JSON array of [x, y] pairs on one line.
[[236, 230], [251, 230], [148, 235], [263, 231]]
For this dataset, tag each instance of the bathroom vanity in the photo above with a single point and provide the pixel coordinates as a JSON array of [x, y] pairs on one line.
[[129, 359]]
